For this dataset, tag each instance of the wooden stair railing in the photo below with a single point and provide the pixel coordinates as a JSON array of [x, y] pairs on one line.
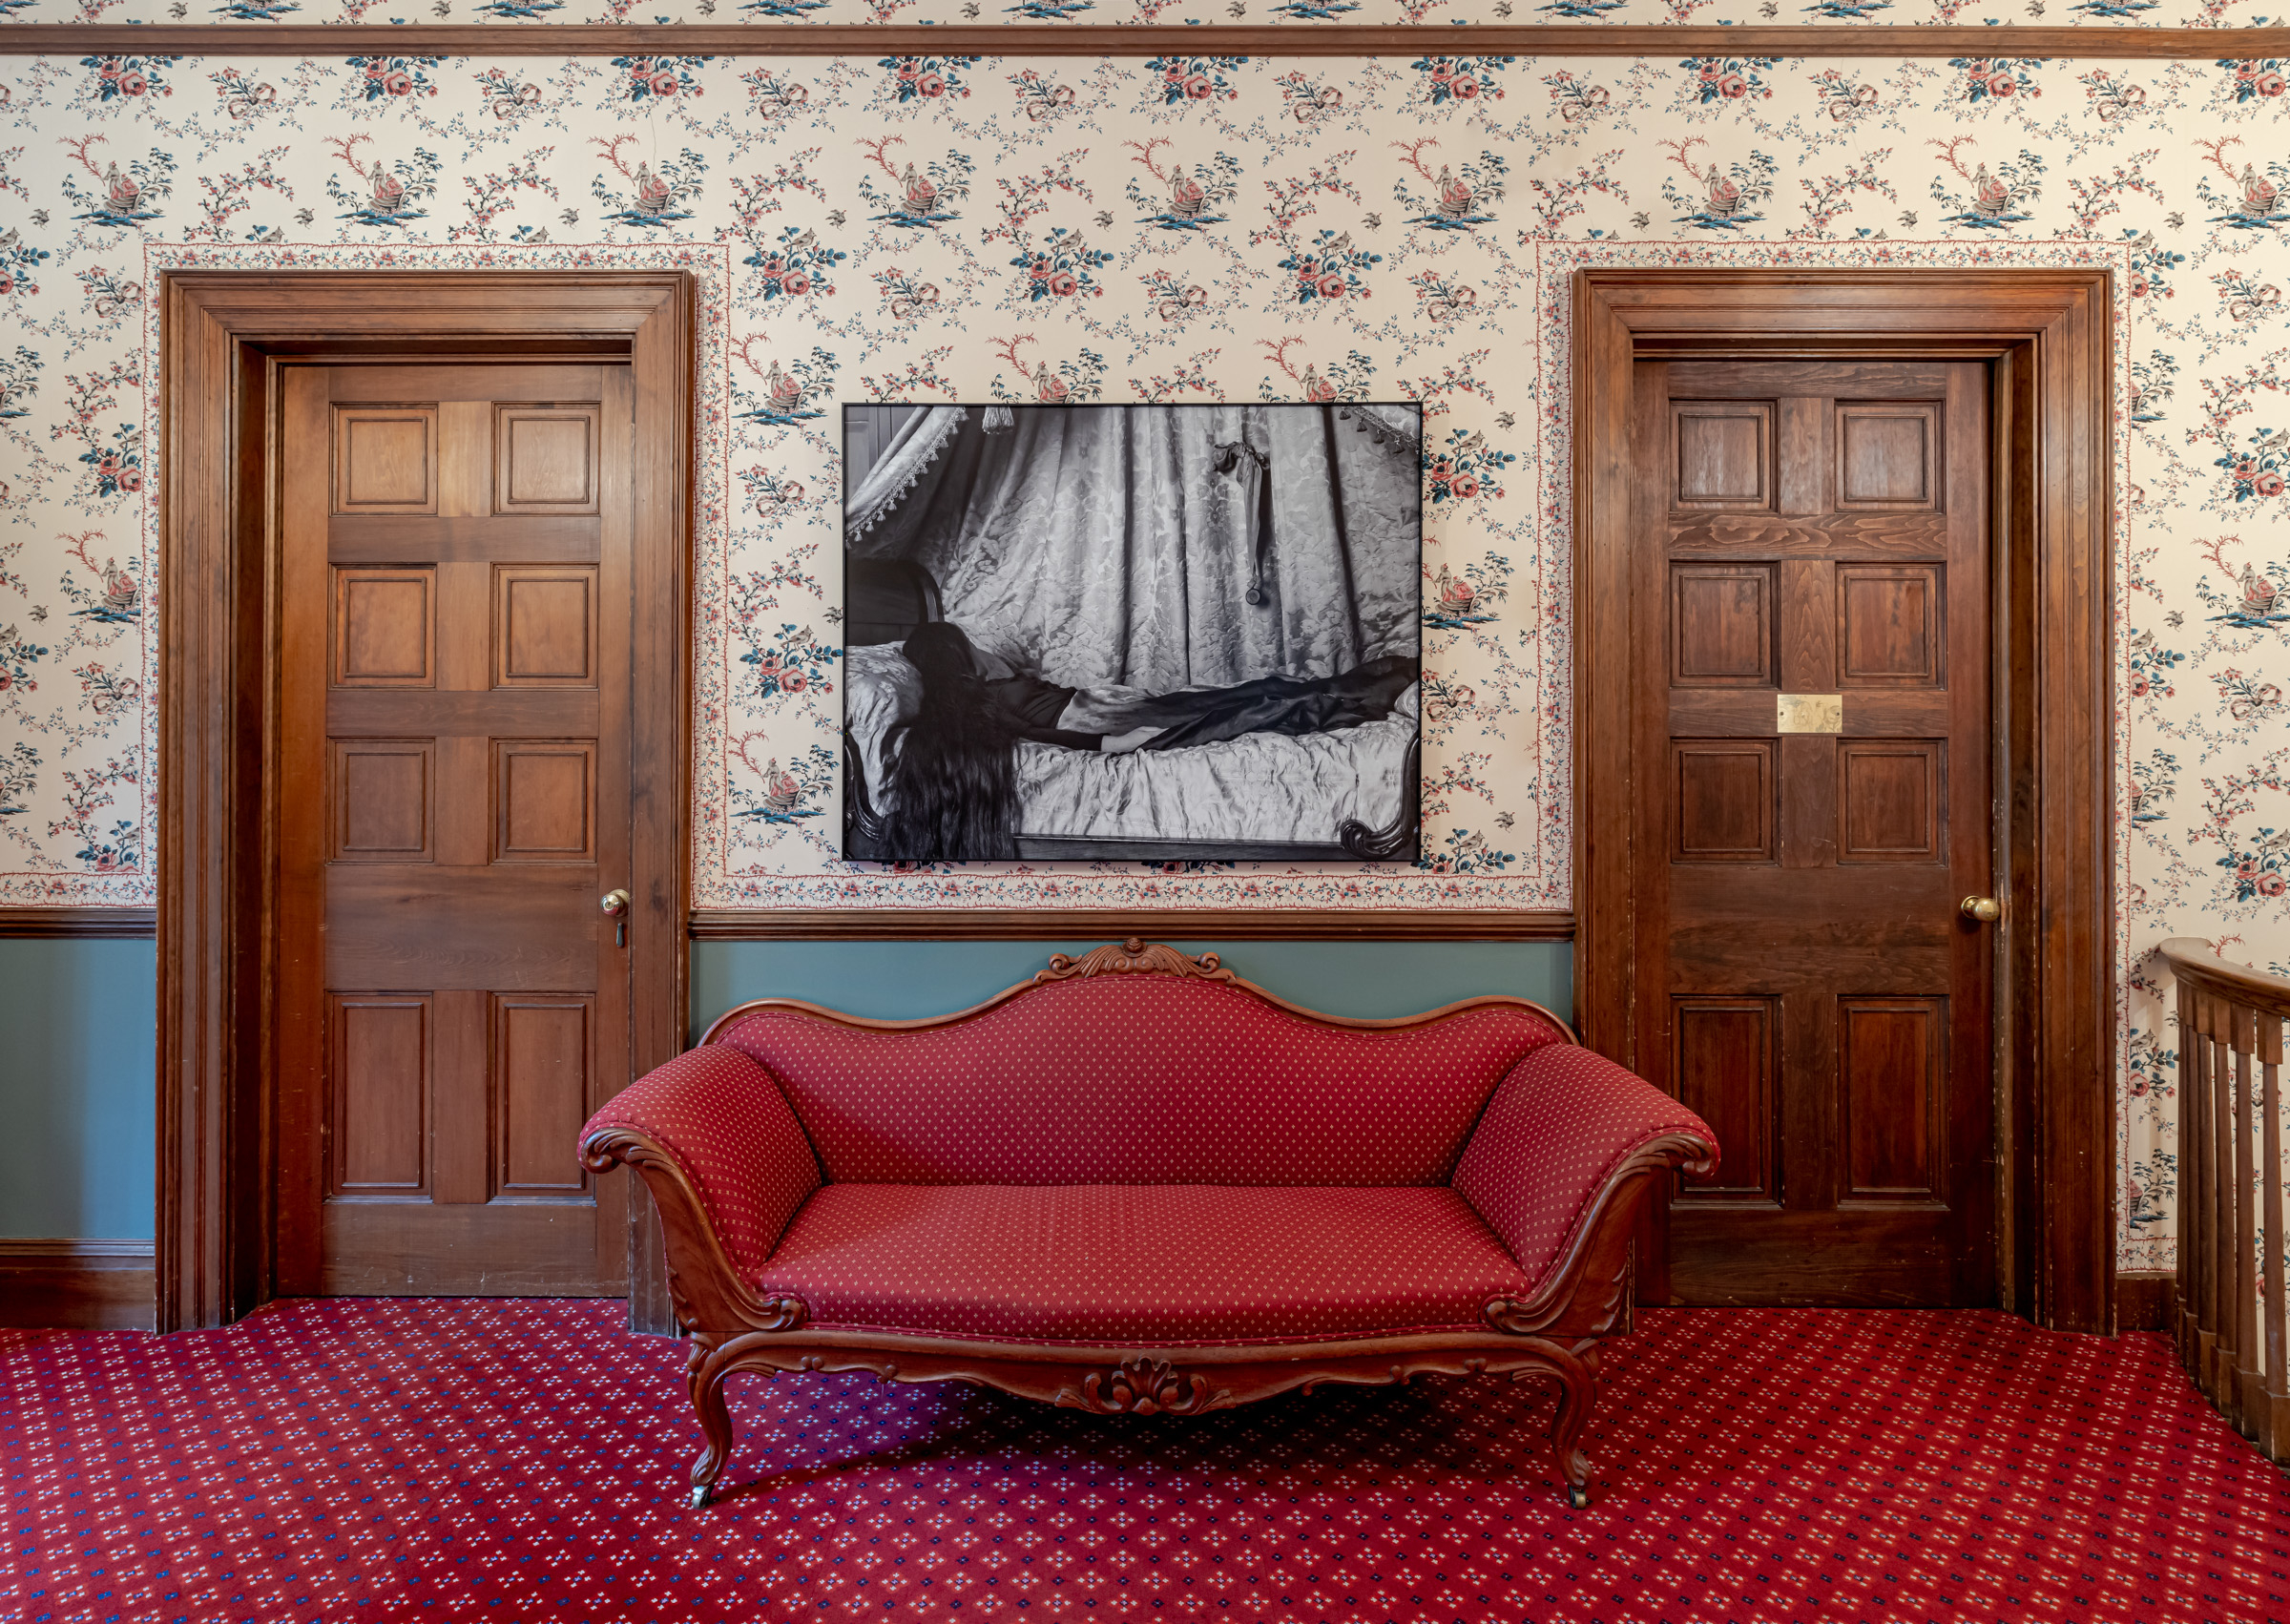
[[2234, 1317]]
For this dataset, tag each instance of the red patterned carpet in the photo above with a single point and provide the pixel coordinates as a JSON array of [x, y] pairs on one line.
[[456, 1460]]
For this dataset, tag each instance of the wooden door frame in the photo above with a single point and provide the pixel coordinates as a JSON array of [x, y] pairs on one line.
[[2047, 335], [223, 337]]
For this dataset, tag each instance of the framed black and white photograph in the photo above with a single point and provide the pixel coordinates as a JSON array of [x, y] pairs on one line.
[[1159, 634]]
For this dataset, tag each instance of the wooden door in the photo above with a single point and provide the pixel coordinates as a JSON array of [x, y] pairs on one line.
[[454, 613], [1810, 737]]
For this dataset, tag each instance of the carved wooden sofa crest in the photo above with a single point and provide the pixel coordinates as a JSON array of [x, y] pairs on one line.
[[1140, 1184]]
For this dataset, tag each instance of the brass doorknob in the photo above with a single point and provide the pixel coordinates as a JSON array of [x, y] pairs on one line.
[[1985, 909], [614, 903]]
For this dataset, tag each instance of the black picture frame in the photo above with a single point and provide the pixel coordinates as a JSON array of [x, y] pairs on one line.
[[885, 597]]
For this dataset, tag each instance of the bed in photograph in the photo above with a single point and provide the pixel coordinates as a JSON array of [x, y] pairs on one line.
[[1127, 557]]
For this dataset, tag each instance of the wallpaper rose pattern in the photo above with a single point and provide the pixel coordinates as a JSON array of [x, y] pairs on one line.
[[1187, 228]]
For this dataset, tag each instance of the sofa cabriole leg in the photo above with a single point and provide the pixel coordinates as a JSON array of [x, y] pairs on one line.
[[707, 1379], [1578, 1374]]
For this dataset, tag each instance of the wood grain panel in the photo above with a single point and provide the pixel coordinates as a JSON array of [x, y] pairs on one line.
[[490, 1249], [461, 1103], [1726, 712], [1808, 630], [1891, 795], [385, 628], [544, 801], [1745, 374], [77, 1285], [1722, 626], [378, 1088], [1723, 1070], [531, 713], [1873, 536], [1885, 455], [545, 459], [1891, 625], [544, 626], [386, 460], [1891, 1086], [1722, 801], [1724, 454], [1801, 455], [498, 928], [479, 382], [465, 454], [1808, 794], [465, 626], [542, 1064], [463, 537], [384, 794]]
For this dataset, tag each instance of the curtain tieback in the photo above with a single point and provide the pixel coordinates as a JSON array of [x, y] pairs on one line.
[[1227, 462]]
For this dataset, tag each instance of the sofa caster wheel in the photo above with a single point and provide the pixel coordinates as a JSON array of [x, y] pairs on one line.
[[702, 1494], [1578, 1496]]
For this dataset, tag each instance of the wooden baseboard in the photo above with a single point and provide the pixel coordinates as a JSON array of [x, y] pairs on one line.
[[1172, 924], [2143, 1302], [99, 922], [77, 1285]]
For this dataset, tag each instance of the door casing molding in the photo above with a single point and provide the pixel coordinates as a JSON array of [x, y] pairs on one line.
[[223, 337], [2046, 334]]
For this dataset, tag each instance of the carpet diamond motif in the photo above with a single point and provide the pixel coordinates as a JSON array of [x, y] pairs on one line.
[[525, 1460]]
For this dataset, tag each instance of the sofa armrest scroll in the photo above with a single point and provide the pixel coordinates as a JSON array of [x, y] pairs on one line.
[[722, 1151], [1568, 1135]]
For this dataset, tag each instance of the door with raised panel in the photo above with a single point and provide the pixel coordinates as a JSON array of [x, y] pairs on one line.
[[454, 599], [1811, 712]]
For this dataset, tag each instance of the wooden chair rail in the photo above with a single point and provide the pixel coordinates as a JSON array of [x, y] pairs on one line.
[[2232, 1322]]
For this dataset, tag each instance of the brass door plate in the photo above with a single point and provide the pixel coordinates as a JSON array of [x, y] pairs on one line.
[[1808, 713]]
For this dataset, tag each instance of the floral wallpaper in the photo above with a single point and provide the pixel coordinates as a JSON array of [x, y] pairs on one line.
[[1186, 228]]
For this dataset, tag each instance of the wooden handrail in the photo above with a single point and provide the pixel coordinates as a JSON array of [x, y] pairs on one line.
[[2191, 959], [2230, 1190]]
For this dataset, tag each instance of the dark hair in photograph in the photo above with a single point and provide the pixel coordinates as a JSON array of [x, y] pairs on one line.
[[954, 778]]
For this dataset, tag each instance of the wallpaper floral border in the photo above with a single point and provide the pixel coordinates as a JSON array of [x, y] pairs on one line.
[[767, 15]]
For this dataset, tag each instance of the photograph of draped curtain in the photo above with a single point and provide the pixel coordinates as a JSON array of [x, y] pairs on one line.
[[1134, 554], [1102, 544]]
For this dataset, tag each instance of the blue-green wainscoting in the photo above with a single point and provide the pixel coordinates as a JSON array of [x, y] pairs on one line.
[[76, 1026], [898, 980], [77, 1038]]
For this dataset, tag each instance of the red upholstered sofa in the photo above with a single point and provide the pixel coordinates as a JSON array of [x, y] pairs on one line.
[[1138, 1184]]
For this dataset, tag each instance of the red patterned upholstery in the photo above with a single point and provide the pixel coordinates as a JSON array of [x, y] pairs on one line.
[[722, 1118], [1560, 1123], [1146, 1266], [1139, 1079]]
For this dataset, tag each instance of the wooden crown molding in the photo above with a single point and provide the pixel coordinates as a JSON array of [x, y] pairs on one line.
[[90, 923], [1189, 924], [1021, 39]]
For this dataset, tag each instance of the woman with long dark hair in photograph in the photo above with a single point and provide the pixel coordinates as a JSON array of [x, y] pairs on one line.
[[952, 765]]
